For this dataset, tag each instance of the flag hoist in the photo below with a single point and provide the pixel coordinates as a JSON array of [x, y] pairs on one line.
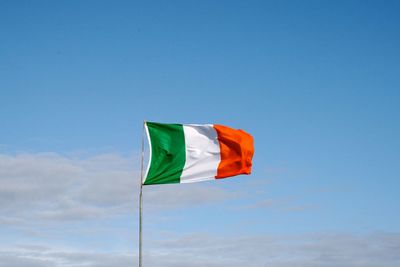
[[187, 153]]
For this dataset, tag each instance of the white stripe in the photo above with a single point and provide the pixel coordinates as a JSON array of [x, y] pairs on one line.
[[149, 142], [202, 153]]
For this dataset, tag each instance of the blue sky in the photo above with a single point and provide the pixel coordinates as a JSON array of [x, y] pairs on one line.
[[316, 83]]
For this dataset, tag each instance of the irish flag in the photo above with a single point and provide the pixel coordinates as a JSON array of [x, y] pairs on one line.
[[185, 153]]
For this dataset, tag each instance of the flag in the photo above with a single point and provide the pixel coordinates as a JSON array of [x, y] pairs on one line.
[[185, 153]]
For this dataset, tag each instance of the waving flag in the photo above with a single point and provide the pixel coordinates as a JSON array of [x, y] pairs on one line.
[[185, 153]]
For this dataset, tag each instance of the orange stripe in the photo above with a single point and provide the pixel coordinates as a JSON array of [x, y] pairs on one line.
[[236, 151]]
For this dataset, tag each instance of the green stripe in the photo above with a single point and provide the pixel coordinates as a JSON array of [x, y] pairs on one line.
[[168, 153]]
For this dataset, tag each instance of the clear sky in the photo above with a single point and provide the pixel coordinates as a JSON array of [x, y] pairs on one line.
[[317, 83]]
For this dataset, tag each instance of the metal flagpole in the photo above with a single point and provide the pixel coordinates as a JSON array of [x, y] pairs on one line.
[[141, 200]]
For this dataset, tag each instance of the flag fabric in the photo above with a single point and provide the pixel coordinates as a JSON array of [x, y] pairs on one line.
[[185, 153]]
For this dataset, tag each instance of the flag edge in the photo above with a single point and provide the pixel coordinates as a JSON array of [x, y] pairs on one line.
[[150, 153]]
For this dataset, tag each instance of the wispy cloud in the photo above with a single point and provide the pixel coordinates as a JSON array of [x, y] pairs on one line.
[[195, 250], [317, 250], [46, 257], [51, 186]]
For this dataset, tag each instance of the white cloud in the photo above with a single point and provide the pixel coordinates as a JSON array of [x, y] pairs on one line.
[[339, 250], [315, 250], [53, 188], [45, 257]]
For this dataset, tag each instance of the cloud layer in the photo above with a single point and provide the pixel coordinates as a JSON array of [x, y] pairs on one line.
[[53, 189], [339, 250]]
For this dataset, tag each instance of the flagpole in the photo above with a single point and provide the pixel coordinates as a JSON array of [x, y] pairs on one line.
[[141, 199]]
